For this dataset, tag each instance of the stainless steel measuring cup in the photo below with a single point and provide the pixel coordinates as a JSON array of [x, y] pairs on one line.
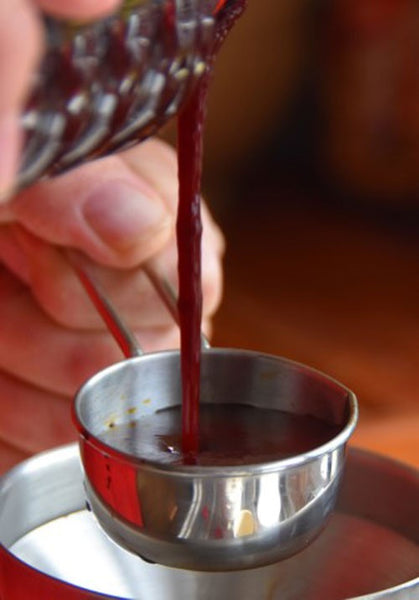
[[210, 517]]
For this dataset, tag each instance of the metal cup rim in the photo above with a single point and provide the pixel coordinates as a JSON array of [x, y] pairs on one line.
[[204, 471]]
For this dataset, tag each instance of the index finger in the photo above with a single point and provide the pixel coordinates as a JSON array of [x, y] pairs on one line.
[[21, 38], [79, 9], [20, 46]]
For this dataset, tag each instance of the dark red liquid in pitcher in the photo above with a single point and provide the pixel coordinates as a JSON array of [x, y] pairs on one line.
[[189, 231]]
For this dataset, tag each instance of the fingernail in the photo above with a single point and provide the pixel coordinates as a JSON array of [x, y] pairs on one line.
[[121, 215], [9, 153]]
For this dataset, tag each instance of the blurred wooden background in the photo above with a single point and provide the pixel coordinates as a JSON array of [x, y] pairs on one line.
[[312, 168], [337, 292]]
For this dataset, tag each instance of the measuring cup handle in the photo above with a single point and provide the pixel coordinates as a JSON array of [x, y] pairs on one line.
[[113, 321], [167, 294]]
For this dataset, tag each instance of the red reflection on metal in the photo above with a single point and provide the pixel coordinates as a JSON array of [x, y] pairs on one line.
[[113, 480], [220, 5]]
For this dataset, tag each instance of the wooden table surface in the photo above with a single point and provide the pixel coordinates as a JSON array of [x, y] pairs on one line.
[[337, 290]]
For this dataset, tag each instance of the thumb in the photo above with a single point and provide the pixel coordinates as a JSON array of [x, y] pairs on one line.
[[106, 209]]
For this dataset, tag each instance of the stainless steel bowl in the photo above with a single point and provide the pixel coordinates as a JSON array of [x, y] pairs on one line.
[[52, 548], [211, 518]]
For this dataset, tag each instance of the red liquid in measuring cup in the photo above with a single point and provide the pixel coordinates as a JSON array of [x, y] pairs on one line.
[[189, 230], [229, 434]]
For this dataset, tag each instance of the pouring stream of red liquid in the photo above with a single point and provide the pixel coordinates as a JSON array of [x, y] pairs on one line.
[[189, 232]]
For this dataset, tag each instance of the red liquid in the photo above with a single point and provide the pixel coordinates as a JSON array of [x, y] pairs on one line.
[[189, 231], [230, 434]]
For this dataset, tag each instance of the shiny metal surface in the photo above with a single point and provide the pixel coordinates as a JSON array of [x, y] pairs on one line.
[[211, 518], [368, 551], [113, 320], [106, 85]]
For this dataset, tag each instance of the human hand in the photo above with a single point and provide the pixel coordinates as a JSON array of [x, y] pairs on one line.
[[21, 42], [120, 212]]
